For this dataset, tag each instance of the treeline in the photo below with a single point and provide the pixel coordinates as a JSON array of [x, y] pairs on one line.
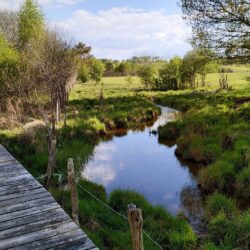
[[180, 73], [156, 73], [38, 65]]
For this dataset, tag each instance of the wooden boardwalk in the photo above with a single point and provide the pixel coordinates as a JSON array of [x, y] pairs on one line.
[[30, 218]]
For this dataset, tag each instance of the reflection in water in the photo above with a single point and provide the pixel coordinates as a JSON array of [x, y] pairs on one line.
[[138, 161]]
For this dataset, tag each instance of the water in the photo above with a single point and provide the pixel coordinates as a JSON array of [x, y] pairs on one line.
[[137, 160]]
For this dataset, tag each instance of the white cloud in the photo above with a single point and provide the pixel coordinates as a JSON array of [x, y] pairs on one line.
[[100, 173], [15, 4], [123, 32]]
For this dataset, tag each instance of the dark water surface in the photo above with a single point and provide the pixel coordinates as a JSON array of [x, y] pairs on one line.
[[139, 162]]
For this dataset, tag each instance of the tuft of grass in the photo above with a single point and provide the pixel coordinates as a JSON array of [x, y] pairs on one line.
[[219, 203], [219, 176]]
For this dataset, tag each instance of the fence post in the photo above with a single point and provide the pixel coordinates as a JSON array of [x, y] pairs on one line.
[[51, 163], [136, 223], [73, 190]]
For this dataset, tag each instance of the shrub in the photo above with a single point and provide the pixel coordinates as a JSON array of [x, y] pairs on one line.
[[243, 183], [219, 203], [219, 176]]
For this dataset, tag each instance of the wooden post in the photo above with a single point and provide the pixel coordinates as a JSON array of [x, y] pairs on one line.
[[136, 223], [51, 163], [73, 190]]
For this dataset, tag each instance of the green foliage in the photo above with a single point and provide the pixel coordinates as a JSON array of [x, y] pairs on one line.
[[219, 176], [9, 62], [210, 246], [30, 23], [243, 228], [219, 203], [96, 69], [243, 183], [169, 75], [176, 233], [147, 74], [84, 73], [222, 231]]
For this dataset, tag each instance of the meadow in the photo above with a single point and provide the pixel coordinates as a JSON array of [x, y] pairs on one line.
[[214, 129]]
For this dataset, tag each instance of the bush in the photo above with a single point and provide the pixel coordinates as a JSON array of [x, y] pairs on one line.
[[219, 203], [219, 176], [243, 183]]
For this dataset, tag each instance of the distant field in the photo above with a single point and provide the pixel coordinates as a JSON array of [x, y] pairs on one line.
[[121, 86]]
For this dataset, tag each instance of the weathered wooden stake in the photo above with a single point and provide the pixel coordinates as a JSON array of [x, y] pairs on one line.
[[51, 163], [73, 190], [136, 224]]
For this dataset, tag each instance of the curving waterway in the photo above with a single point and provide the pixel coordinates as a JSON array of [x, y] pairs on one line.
[[137, 160]]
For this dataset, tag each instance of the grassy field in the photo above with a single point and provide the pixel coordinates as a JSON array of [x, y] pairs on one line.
[[215, 128]]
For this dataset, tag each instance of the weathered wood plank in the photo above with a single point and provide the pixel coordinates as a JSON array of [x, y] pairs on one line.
[[19, 188], [27, 205], [13, 179], [37, 235], [34, 208], [36, 194], [67, 237], [82, 244], [17, 195], [43, 223]]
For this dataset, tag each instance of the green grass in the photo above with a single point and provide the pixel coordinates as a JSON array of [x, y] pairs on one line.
[[214, 130]]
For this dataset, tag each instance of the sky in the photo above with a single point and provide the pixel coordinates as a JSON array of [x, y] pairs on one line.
[[118, 29]]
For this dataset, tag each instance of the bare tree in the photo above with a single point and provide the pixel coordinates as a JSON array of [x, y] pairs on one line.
[[8, 25], [58, 69]]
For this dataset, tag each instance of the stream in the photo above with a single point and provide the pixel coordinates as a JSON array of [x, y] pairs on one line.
[[136, 160]]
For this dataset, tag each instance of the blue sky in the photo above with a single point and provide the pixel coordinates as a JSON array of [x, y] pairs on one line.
[[118, 29], [94, 6]]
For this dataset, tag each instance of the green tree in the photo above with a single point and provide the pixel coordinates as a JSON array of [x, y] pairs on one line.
[[96, 70], [194, 63], [124, 68], [169, 75], [83, 73], [9, 63], [148, 74], [31, 23]]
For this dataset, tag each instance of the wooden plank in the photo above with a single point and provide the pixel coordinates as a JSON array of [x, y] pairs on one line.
[[37, 207], [37, 235], [17, 195], [13, 179], [59, 239], [24, 199], [16, 181], [27, 205], [82, 244], [20, 188], [43, 223]]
